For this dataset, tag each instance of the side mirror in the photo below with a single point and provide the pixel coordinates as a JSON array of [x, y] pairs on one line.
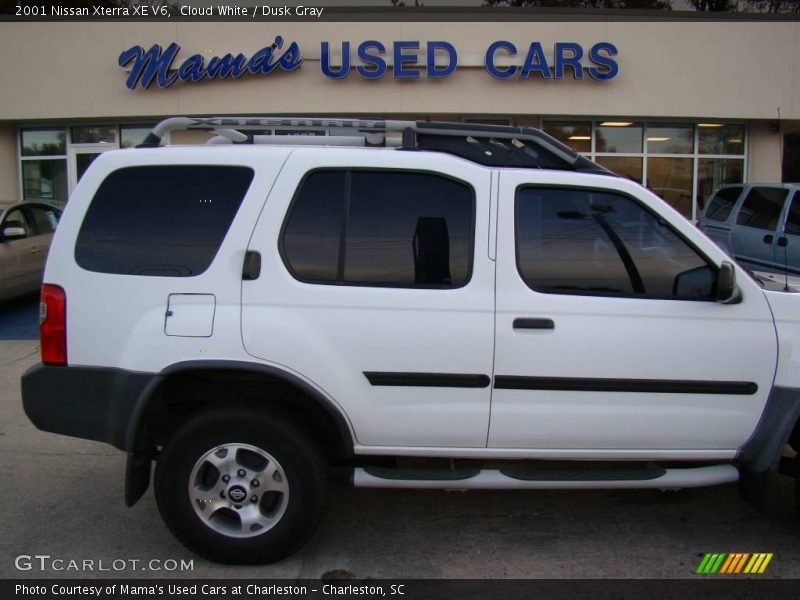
[[695, 283], [14, 233], [727, 290]]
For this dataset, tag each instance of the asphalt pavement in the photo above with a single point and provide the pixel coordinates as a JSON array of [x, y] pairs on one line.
[[19, 318], [63, 498]]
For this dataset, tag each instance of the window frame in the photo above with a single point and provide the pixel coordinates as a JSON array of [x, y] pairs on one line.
[[595, 294], [342, 240]]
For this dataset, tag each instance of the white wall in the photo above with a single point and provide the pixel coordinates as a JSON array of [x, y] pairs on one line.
[[9, 173]]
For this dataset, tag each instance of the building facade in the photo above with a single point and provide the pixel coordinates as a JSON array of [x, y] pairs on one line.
[[680, 106]]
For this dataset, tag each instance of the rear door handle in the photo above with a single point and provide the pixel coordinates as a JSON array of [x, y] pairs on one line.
[[768, 239], [521, 323], [252, 265]]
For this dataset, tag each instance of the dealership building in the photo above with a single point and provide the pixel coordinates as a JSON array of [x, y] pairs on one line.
[[679, 105]]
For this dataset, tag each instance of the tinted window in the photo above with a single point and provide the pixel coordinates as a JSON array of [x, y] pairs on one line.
[[574, 241], [164, 221], [761, 208], [45, 219], [793, 218], [380, 228], [313, 232], [720, 206]]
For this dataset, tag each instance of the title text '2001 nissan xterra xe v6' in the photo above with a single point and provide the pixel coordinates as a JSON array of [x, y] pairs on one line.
[[247, 312]]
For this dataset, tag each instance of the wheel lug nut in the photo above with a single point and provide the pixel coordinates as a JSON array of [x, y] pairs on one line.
[[226, 478], [222, 494], [241, 473], [254, 499], [255, 483]]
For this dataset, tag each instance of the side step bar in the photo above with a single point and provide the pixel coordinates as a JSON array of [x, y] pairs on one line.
[[542, 479]]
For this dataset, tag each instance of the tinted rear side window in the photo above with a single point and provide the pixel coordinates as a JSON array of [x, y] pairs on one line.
[[722, 203], [380, 228], [761, 208], [166, 221]]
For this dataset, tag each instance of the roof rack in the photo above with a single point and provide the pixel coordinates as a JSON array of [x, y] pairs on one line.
[[490, 145]]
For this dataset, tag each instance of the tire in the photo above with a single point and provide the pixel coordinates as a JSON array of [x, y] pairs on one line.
[[270, 503]]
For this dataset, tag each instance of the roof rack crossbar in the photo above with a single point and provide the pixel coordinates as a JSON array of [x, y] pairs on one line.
[[229, 130]]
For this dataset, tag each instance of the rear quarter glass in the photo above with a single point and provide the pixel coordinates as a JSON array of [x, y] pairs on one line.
[[166, 221]]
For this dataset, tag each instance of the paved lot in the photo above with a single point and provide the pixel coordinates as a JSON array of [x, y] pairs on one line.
[[63, 497], [19, 318]]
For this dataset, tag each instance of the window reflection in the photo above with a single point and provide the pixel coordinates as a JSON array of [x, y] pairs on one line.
[[629, 167], [44, 142], [670, 139], [671, 179], [45, 180], [596, 242], [714, 172], [619, 136], [93, 134], [723, 139], [576, 135]]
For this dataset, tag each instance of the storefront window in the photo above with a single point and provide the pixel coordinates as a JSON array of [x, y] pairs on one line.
[[626, 166], [671, 179], [681, 162], [714, 172], [93, 134], [619, 136], [45, 180], [130, 137], [576, 135], [44, 142], [670, 139], [717, 138]]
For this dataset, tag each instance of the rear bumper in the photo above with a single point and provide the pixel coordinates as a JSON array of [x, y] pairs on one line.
[[85, 402]]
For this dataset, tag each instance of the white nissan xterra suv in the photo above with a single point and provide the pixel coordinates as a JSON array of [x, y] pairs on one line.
[[460, 307]]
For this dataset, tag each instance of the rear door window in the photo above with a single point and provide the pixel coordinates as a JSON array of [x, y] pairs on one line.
[[165, 221], [380, 228], [761, 208], [46, 219]]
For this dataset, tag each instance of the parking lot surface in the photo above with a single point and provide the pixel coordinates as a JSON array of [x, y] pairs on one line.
[[63, 498]]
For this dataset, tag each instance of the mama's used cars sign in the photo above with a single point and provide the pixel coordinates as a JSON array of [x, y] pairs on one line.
[[371, 59]]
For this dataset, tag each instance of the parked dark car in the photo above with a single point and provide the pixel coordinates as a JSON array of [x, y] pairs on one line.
[[26, 230], [758, 224]]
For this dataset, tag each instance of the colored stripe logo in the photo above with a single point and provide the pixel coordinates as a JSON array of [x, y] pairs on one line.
[[734, 563]]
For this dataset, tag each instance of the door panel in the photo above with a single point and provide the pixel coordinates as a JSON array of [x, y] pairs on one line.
[[616, 369], [22, 258], [370, 319]]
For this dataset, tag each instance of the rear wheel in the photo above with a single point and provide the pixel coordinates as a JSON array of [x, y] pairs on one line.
[[237, 486]]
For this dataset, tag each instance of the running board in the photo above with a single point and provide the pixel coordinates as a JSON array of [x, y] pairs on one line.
[[542, 479]]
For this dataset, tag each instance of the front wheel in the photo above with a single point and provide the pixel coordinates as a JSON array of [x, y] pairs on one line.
[[236, 486]]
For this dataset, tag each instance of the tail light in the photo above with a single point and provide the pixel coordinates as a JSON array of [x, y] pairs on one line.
[[53, 325]]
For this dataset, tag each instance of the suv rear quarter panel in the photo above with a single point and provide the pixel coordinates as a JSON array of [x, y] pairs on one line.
[[119, 320]]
